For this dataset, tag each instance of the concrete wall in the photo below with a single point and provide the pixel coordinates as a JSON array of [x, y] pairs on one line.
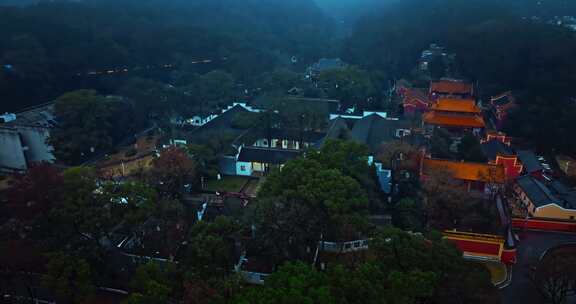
[[36, 139], [11, 151]]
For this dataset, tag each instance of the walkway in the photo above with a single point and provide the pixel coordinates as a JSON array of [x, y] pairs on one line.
[[531, 246]]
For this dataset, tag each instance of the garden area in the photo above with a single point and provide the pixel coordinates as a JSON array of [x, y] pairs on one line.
[[227, 184]]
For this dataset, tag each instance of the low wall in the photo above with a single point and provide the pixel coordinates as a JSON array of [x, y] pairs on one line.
[[544, 224]]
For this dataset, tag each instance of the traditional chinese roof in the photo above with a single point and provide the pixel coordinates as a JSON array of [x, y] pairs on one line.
[[374, 130], [451, 87], [494, 147], [456, 105], [467, 171], [451, 120]]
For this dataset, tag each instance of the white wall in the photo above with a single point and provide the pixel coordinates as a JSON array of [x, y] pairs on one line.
[[243, 168], [36, 139], [11, 153]]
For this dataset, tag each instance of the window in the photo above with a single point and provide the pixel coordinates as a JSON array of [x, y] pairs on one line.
[[242, 168], [571, 217], [356, 244], [347, 246], [402, 132], [265, 142]]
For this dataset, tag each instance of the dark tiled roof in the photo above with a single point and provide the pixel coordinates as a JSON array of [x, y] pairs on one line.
[[315, 105], [267, 155], [559, 187], [529, 160], [374, 130], [305, 136], [567, 195], [336, 129], [494, 148], [39, 116], [219, 125], [537, 192]]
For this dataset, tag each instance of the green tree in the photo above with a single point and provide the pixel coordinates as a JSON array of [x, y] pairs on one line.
[[408, 214], [440, 144], [555, 275], [470, 149], [152, 283], [90, 212], [351, 85], [437, 67], [293, 283], [205, 158], [149, 98], [280, 81], [172, 170], [87, 123], [285, 229], [325, 190], [209, 254], [70, 278]]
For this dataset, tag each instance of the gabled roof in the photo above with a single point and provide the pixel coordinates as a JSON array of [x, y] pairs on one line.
[[494, 147], [217, 126], [373, 130], [456, 105], [267, 155], [530, 161], [291, 134], [336, 129], [537, 192], [451, 87], [41, 116], [451, 120], [467, 171]]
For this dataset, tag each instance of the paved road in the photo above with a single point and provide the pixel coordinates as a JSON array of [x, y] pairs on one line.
[[531, 246]]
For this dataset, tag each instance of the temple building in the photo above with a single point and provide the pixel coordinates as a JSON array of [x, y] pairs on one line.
[[500, 106], [485, 178], [496, 147], [451, 89], [455, 115]]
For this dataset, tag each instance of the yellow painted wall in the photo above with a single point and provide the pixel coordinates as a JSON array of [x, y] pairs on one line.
[[555, 212], [258, 167]]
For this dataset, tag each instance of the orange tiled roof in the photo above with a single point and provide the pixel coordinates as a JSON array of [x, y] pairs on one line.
[[456, 105], [466, 170], [438, 119], [451, 87]]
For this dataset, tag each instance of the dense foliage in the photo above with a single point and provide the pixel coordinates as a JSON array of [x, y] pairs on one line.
[[497, 45], [47, 45]]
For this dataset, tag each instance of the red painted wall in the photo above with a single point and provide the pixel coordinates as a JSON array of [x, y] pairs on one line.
[[544, 225], [476, 246], [508, 256], [512, 168]]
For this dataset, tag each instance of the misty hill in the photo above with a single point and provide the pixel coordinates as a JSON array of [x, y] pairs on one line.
[[48, 42]]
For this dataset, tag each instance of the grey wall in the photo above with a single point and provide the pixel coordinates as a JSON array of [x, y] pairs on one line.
[[11, 153], [36, 141]]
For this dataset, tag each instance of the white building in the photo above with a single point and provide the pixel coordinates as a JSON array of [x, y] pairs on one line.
[[24, 138]]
